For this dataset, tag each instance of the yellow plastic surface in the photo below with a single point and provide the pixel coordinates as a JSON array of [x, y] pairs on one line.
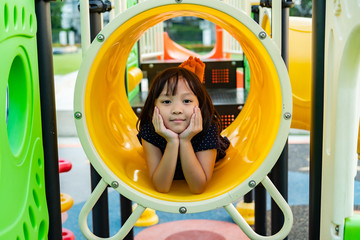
[[112, 123], [247, 210], [300, 35], [148, 218], [135, 75], [66, 202], [359, 142], [266, 24]]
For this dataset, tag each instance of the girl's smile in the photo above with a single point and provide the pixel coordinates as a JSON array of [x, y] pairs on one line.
[[176, 110]]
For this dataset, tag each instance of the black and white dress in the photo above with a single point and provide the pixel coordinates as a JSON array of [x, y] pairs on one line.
[[204, 140]]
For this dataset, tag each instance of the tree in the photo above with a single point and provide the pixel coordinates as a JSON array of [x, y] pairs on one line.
[[55, 8], [302, 8]]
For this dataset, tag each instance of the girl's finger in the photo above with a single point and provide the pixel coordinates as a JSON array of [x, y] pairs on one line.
[[198, 118]]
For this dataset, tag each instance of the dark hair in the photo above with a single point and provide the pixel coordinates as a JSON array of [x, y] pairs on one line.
[[171, 77]]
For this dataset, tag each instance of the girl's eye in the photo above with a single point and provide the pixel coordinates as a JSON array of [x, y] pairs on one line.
[[187, 101], [166, 101]]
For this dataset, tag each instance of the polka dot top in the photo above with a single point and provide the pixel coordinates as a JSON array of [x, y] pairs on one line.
[[200, 142]]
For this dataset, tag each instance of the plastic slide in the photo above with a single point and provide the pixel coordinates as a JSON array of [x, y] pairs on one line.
[[300, 35], [106, 123], [172, 50]]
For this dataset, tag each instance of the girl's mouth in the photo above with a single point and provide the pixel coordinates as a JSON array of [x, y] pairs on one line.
[[177, 120]]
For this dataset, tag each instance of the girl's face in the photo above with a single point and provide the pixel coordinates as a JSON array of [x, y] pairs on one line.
[[177, 110]]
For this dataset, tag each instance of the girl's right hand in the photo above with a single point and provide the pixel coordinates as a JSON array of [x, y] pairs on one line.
[[160, 128]]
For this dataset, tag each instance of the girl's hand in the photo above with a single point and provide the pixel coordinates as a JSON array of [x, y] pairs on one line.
[[160, 127], [194, 127]]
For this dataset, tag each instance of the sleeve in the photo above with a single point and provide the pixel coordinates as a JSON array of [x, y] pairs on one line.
[[148, 133], [206, 140]]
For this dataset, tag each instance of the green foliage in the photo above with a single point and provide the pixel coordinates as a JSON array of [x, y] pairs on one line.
[[55, 8], [302, 8], [185, 33]]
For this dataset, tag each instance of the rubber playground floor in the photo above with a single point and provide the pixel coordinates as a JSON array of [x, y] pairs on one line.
[[76, 182]]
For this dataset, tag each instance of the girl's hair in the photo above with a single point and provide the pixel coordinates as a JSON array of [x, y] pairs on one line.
[[171, 77]]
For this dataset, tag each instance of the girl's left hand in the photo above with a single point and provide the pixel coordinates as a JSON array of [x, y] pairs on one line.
[[194, 127]]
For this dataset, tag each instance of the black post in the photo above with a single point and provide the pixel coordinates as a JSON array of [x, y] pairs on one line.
[[100, 212], [126, 211], [317, 109], [279, 176], [280, 171], [48, 116], [260, 210]]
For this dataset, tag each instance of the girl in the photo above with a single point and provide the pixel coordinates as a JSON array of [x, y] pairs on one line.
[[179, 129]]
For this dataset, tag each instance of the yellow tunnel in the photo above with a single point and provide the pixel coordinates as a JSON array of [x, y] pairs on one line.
[[106, 123]]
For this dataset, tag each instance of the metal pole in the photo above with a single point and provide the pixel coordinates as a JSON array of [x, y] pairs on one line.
[[317, 110], [279, 176], [126, 211], [100, 212], [260, 210], [48, 116]]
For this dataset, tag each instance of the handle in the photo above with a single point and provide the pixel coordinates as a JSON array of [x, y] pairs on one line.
[[94, 197], [280, 201]]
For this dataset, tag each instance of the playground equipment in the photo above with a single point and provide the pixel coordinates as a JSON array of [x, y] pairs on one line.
[[147, 218], [300, 50], [341, 120], [21, 147], [66, 200], [155, 43], [106, 122], [300, 34], [172, 50], [23, 210]]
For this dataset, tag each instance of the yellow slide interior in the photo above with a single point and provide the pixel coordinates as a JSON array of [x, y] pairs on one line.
[[112, 123]]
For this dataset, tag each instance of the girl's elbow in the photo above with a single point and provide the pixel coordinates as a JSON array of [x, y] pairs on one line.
[[197, 191], [200, 188], [162, 189]]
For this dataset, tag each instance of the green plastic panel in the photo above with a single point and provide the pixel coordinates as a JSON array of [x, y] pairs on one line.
[[352, 228], [23, 207], [133, 60]]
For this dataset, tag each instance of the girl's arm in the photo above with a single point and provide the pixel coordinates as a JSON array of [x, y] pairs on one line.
[[161, 166], [197, 167]]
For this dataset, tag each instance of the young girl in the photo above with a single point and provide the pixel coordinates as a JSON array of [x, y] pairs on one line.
[[179, 129]]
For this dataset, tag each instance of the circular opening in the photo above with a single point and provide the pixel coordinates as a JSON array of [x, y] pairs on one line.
[[111, 122], [193, 33], [17, 104]]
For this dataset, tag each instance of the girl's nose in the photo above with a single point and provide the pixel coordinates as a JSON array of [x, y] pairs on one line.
[[177, 109]]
